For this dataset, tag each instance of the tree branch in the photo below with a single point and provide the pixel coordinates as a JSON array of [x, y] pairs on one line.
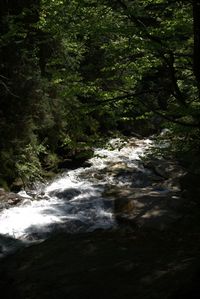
[[162, 52], [169, 118], [8, 90]]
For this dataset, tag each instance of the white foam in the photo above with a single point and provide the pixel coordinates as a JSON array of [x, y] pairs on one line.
[[81, 207]]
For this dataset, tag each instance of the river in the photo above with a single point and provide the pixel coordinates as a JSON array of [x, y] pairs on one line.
[[75, 201]]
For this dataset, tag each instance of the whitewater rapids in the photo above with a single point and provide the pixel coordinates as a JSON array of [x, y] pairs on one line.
[[73, 202]]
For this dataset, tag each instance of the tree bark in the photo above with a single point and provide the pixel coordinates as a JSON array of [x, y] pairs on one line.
[[196, 28]]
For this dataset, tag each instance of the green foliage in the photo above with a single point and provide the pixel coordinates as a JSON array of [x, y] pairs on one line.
[[72, 71], [27, 164]]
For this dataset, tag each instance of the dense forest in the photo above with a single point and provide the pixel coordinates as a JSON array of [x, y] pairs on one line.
[[72, 72]]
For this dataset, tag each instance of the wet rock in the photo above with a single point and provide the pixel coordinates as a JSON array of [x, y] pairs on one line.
[[17, 185], [158, 218], [172, 184], [164, 168], [14, 201], [121, 166], [8, 199], [25, 194], [27, 202], [124, 205], [154, 207], [96, 176], [113, 191], [93, 176], [67, 194], [152, 217]]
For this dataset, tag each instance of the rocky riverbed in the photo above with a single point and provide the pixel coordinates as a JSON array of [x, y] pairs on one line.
[[120, 188], [138, 236]]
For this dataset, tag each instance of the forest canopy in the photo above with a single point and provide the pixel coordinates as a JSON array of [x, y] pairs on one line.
[[74, 71]]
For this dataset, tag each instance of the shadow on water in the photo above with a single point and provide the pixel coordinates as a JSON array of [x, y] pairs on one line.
[[104, 265], [69, 226], [9, 245]]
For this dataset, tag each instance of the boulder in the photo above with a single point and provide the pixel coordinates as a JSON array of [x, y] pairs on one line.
[[164, 169], [67, 194], [8, 199]]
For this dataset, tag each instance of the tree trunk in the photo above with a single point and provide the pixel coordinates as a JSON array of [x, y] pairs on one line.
[[196, 27]]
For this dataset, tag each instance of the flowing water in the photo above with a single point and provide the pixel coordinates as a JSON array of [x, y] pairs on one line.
[[75, 201]]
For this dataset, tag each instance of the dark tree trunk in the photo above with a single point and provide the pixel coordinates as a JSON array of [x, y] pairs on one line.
[[196, 24], [16, 56]]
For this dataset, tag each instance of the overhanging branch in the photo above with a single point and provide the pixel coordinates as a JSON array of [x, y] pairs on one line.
[[171, 118], [169, 61], [7, 89]]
